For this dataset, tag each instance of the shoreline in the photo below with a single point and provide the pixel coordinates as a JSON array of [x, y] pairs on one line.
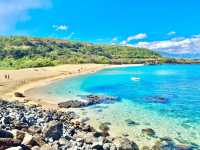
[[47, 75], [137, 134]]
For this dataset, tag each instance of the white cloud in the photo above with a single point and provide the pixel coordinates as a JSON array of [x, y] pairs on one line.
[[189, 45], [171, 33], [137, 37], [134, 37], [60, 27], [14, 11]]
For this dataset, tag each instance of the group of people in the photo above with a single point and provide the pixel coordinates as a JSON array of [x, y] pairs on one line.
[[7, 76]]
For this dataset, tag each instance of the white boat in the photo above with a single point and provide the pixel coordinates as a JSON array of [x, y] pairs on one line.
[[135, 78]]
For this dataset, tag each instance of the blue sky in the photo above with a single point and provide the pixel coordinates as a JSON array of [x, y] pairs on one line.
[[164, 25]]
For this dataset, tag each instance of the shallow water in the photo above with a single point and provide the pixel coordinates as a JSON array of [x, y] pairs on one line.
[[165, 98]]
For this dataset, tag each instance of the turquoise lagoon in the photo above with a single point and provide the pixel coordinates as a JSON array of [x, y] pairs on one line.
[[177, 115]]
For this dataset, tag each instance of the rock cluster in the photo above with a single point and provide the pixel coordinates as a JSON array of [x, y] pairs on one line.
[[25, 127], [89, 100]]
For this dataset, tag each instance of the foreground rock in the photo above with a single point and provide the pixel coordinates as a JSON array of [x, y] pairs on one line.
[[54, 130], [32, 128], [89, 100]]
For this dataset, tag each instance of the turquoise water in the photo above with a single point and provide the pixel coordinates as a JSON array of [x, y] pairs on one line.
[[176, 116]]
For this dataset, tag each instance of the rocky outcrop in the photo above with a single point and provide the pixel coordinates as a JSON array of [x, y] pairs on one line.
[[88, 100], [32, 128], [71, 104]]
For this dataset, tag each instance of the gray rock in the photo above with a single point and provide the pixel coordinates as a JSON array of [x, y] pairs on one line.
[[149, 132], [8, 142], [18, 94], [131, 122], [125, 144], [54, 130], [5, 134], [71, 104], [164, 144]]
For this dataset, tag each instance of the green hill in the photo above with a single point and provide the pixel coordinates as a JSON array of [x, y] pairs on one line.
[[24, 52]]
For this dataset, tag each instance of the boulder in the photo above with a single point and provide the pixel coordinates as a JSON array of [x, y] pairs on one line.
[[131, 122], [97, 99], [19, 135], [90, 100], [8, 142], [71, 104], [125, 144], [164, 144], [18, 94], [5, 134], [28, 139], [54, 130], [149, 132]]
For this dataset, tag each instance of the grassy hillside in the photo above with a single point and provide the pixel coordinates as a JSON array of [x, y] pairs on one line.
[[23, 52]]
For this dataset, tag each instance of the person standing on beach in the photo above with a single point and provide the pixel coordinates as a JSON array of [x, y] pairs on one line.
[[7, 76]]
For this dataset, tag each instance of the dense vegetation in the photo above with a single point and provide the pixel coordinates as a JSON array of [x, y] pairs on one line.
[[23, 52]]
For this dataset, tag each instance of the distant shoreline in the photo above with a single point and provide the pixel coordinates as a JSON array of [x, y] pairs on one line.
[[25, 79]]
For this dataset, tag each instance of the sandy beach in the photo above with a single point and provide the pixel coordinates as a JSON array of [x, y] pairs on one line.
[[25, 79]]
